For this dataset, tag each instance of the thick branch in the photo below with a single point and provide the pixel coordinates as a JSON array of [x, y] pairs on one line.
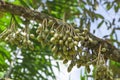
[[111, 53], [22, 11]]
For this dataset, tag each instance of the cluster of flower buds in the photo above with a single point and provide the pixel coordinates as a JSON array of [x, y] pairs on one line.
[[103, 72], [67, 43], [18, 37]]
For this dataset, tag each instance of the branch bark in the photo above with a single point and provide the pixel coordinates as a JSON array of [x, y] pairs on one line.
[[112, 52], [22, 11]]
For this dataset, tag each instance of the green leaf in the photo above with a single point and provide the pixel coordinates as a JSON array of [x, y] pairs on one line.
[[4, 52], [116, 8], [109, 6], [24, 3], [2, 74], [99, 16], [99, 25]]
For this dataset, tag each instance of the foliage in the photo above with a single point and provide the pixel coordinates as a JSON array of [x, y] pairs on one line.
[[27, 44]]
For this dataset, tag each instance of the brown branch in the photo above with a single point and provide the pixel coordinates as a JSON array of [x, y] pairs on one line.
[[22, 11], [111, 53]]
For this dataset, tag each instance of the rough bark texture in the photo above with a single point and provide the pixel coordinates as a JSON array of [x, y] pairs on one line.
[[111, 53], [22, 11]]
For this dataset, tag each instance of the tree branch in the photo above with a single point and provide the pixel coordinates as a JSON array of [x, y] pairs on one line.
[[112, 52], [22, 11]]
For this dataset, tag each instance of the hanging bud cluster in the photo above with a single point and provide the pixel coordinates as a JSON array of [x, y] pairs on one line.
[[102, 71], [18, 37], [67, 43]]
